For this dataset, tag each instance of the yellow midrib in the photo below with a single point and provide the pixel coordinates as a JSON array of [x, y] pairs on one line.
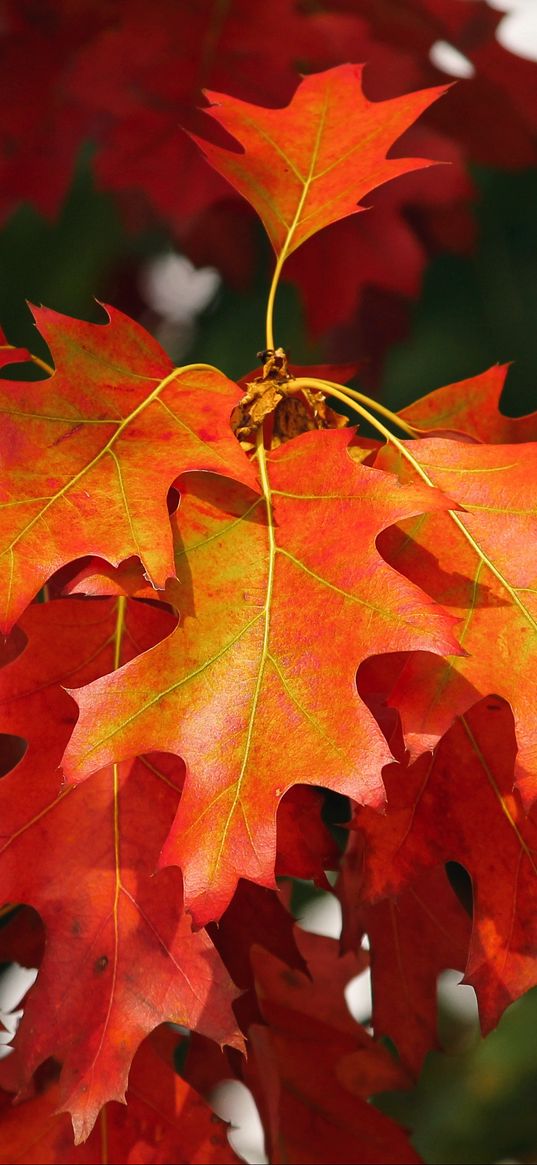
[[265, 484]]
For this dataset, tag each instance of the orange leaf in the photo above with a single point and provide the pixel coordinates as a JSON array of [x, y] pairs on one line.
[[473, 407], [280, 601], [90, 454], [489, 582], [309, 164]]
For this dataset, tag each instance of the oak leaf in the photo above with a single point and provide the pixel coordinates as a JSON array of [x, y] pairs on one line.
[[316, 1108], [459, 805], [305, 847], [256, 915], [275, 622], [472, 407], [309, 164], [412, 938], [165, 1122], [90, 453], [482, 566], [120, 955]]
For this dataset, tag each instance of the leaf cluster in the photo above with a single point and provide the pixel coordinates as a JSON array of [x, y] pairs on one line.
[[201, 635]]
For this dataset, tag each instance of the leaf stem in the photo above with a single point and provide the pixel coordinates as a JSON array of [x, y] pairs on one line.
[[351, 395], [42, 364], [340, 394], [35, 359], [269, 326]]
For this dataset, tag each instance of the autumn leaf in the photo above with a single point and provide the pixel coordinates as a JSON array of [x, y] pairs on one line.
[[127, 81], [276, 621], [412, 938], [482, 566], [255, 915], [472, 407], [309, 164], [90, 453], [316, 1107], [305, 846], [165, 1121], [485, 829], [120, 955]]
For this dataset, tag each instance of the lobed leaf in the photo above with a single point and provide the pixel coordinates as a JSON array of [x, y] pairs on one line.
[[316, 1108], [120, 955], [165, 1122], [89, 454], [280, 603], [412, 938], [489, 582], [459, 805], [310, 164], [472, 406]]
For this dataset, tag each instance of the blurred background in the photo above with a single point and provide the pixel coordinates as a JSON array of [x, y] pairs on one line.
[[104, 198]]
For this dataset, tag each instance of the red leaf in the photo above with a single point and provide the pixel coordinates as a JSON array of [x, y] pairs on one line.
[[120, 955], [412, 937], [315, 1106], [305, 848], [256, 915], [459, 805], [165, 1122]]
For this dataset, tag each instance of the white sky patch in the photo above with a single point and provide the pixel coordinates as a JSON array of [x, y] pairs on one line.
[[175, 289], [459, 997], [358, 997], [447, 58], [516, 32], [322, 916], [518, 29], [233, 1102], [15, 981]]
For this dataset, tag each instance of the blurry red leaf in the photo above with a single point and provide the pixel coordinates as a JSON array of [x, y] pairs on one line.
[[459, 805], [412, 937]]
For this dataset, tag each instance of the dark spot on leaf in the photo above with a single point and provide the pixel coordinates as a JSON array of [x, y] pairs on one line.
[[494, 705], [12, 750], [291, 978], [101, 964]]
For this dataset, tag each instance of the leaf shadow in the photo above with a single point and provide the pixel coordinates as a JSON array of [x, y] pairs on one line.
[[220, 502], [451, 587]]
